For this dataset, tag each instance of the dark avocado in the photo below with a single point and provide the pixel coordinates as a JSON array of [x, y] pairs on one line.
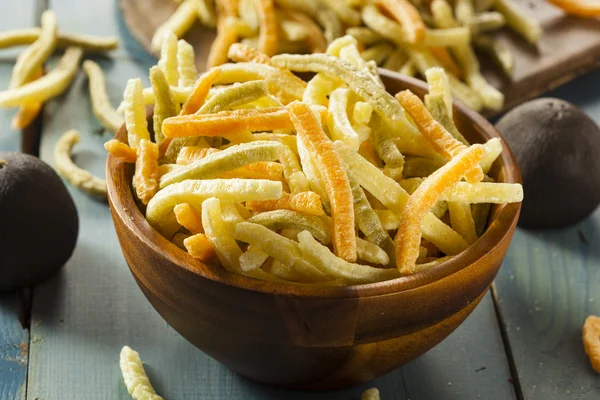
[[558, 149], [38, 221]]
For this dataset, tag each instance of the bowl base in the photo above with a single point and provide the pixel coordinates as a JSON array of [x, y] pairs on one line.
[[306, 367]]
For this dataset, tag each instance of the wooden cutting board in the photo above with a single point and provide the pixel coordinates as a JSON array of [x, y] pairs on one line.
[[569, 47]]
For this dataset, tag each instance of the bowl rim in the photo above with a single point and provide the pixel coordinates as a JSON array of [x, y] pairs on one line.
[[125, 208]]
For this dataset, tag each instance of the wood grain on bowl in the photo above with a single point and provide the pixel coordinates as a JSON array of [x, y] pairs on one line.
[[312, 337], [569, 47]]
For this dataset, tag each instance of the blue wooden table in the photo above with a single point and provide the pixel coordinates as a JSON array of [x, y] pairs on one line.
[[522, 342]]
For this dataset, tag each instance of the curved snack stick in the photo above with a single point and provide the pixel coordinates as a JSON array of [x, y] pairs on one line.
[[520, 22], [135, 113], [89, 43], [465, 11], [186, 63], [461, 220], [136, 381], [304, 202], [484, 192], [189, 154], [145, 178], [217, 233], [165, 103], [370, 394], [36, 54], [48, 86], [227, 160], [334, 176], [456, 36], [280, 248], [439, 137], [292, 171], [206, 12], [486, 21], [378, 53], [339, 123], [196, 191], [200, 247], [437, 108], [281, 84], [493, 148], [423, 199], [490, 96], [251, 119], [360, 82], [384, 144], [267, 39], [28, 112], [239, 52], [168, 58], [201, 89], [591, 340], [408, 16], [581, 8], [288, 219], [394, 197], [318, 90], [325, 16], [388, 219], [76, 176], [235, 96], [227, 7], [226, 36], [121, 150], [257, 170], [446, 61], [368, 221], [248, 13], [253, 258], [179, 23], [497, 52], [371, 253], [423, 59], [325, 260], [313, 175], [188, 217], [393, 31], [348, 15], [364, 35], [227, 121], [315, 39], [101, 106]]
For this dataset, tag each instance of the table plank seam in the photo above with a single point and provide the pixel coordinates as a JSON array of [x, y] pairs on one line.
[[516, 383]]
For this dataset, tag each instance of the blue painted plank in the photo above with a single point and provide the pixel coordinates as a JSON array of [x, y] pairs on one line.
[[14, 340], [549, 284], [17, 14], [470, 364]]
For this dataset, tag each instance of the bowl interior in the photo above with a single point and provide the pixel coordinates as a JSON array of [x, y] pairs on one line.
[[472, 125]]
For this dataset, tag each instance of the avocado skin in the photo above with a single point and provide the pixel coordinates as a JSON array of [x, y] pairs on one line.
[[38, 221], [557, 147]]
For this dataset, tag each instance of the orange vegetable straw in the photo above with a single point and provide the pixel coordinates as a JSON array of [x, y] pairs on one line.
[[439, 137], [408, 238], [408, 16], [334, 175]]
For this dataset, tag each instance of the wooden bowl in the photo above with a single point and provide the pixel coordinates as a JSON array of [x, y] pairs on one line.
[[313, 338]]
